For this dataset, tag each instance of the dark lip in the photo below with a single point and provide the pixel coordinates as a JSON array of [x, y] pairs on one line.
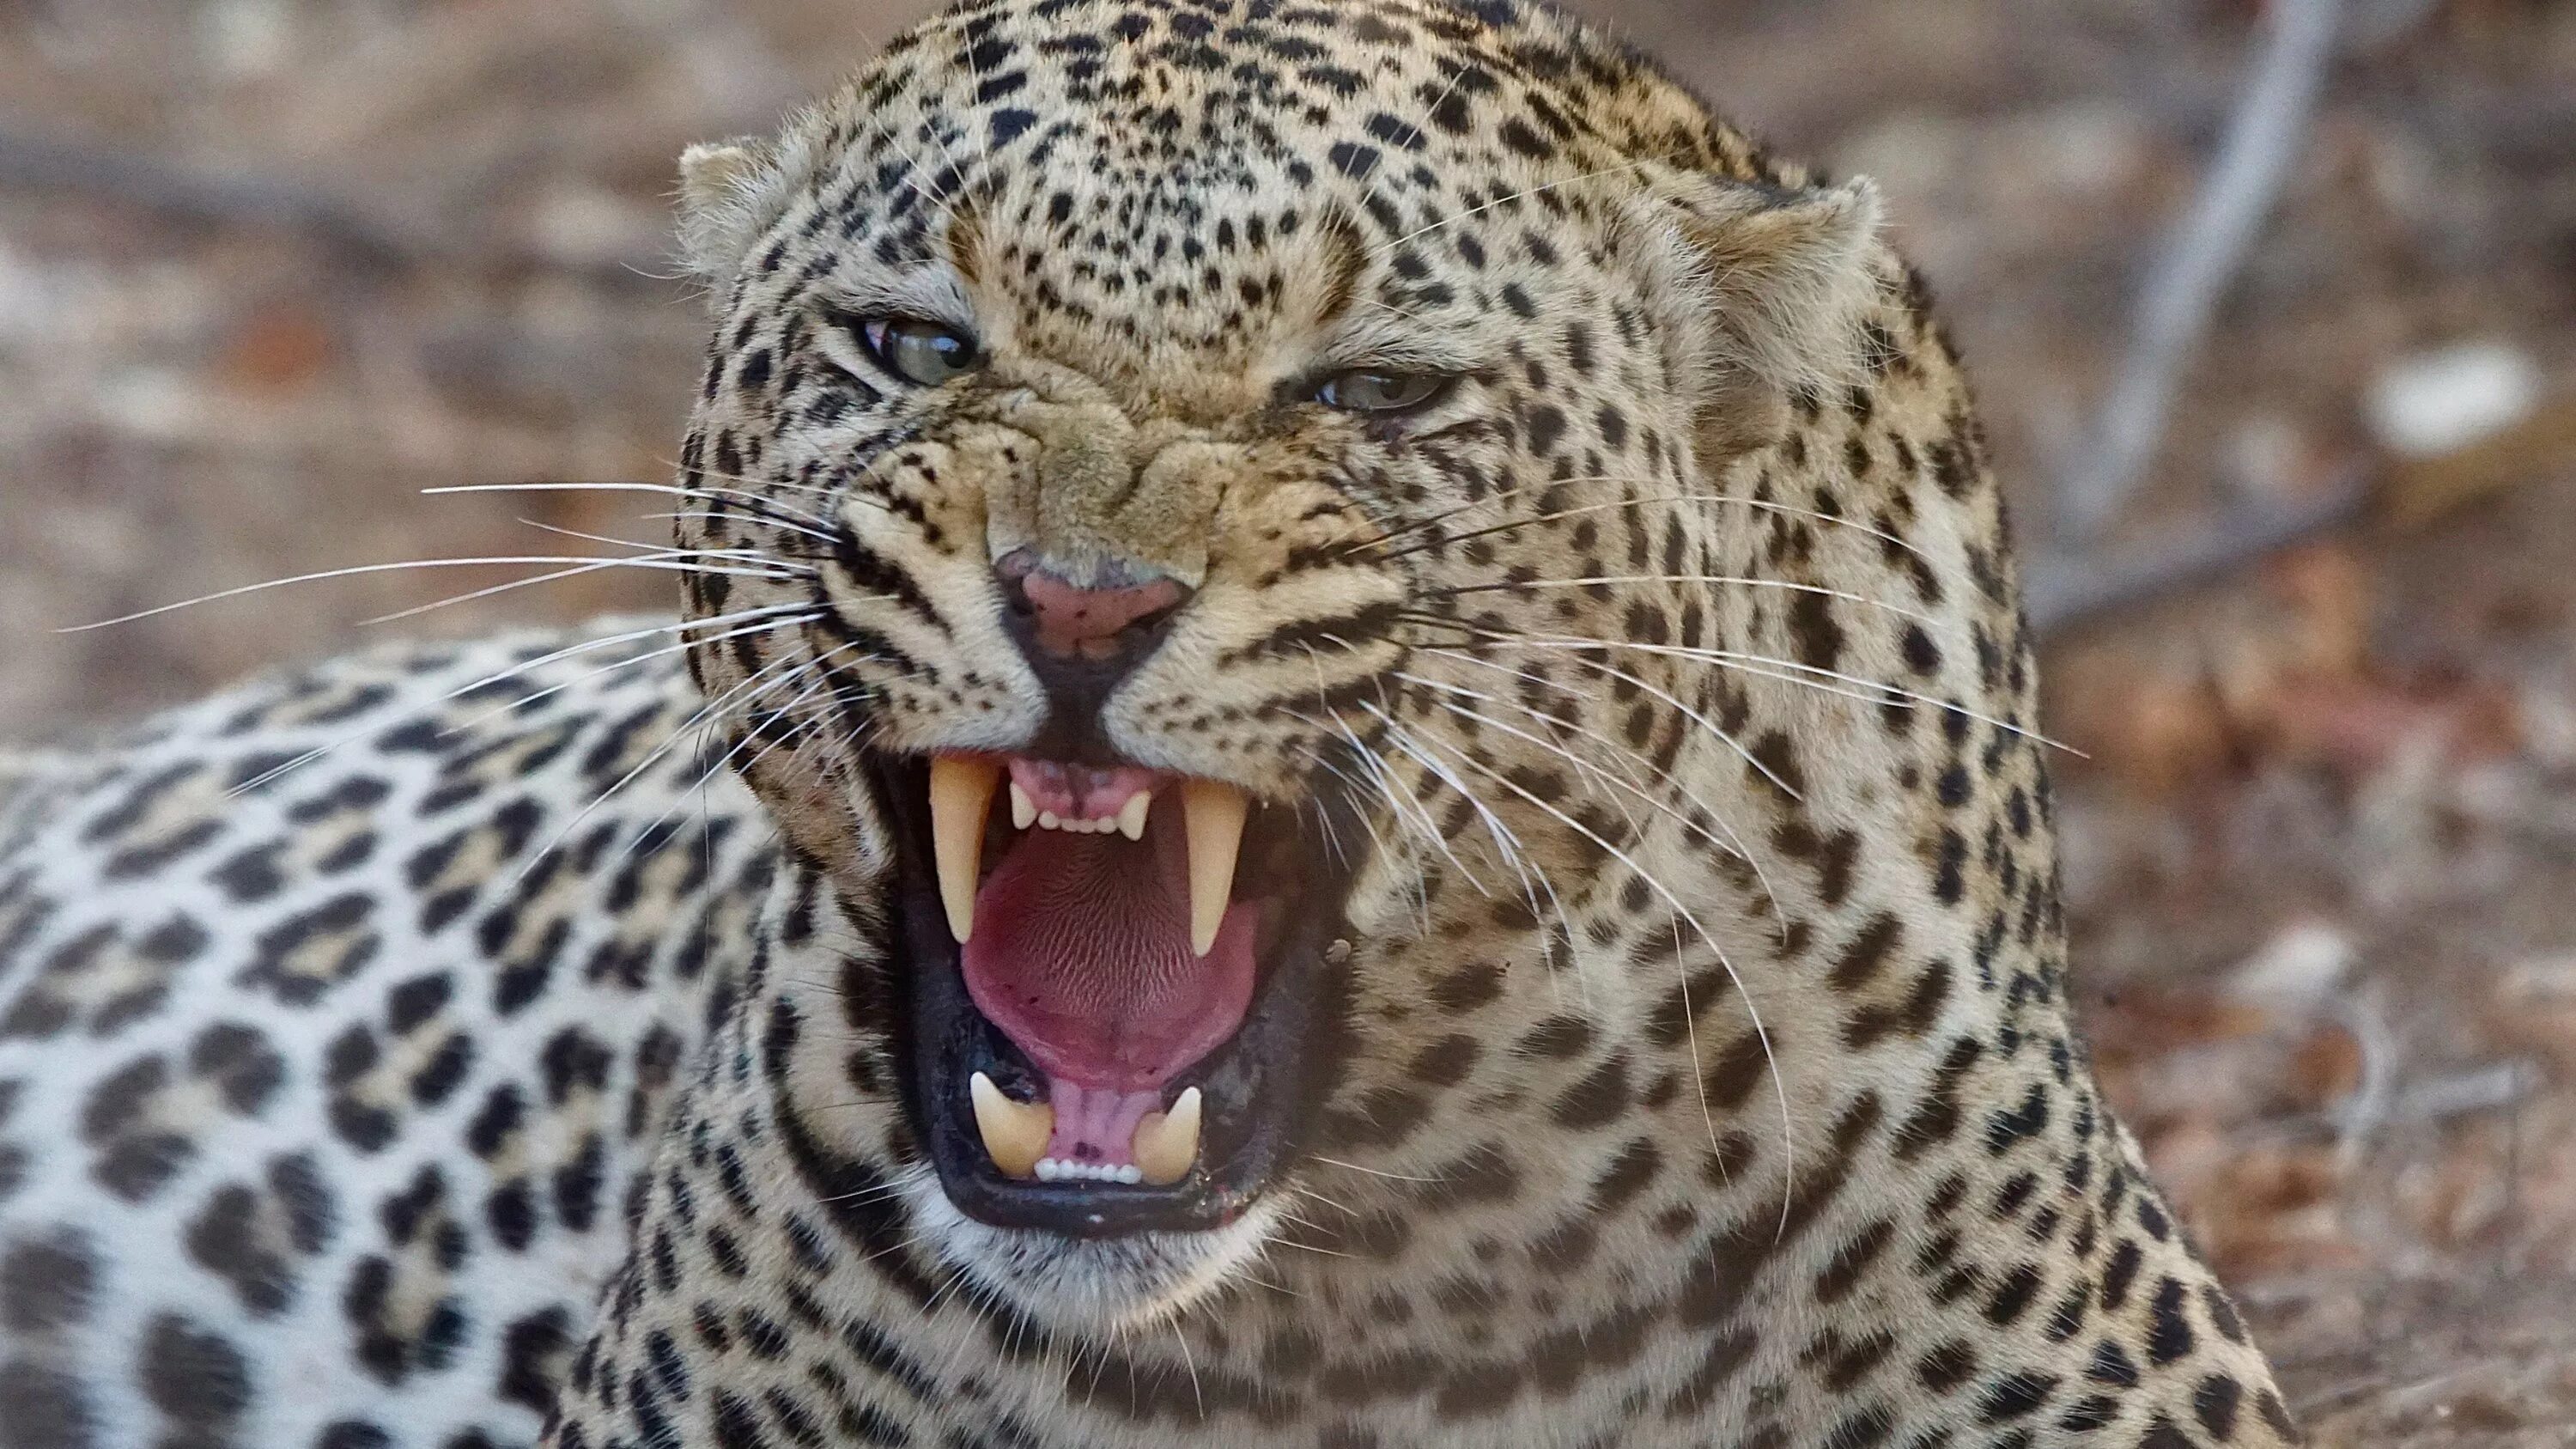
[[1263, 1087]]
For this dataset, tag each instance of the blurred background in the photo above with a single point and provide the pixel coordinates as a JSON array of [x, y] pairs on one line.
[[269, 268]]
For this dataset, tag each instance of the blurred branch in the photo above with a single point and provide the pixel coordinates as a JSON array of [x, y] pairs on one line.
[[2199, 262], [39, 163], [2065, 587], [367, 233], [2061, 589]]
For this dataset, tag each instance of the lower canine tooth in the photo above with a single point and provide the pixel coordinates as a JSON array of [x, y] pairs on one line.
[[1015, 1133], [961, 791], [1167, 1143], [1213, 813]]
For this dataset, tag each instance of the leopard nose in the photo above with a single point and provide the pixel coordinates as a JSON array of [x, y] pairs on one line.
[[1100, 626], [1080, 642]]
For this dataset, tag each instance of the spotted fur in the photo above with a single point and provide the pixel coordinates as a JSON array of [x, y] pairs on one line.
[[443, 1049]]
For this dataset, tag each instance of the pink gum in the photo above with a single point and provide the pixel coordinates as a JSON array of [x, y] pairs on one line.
[[1079, 792], [1098, 1124]]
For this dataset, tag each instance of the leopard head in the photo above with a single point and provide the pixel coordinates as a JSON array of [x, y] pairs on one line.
[[1217, 536]]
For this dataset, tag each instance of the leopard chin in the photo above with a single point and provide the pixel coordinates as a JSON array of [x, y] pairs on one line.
[[1093, 1286]]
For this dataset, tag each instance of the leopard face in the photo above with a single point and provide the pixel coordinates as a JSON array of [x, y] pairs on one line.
[[1348, 440]]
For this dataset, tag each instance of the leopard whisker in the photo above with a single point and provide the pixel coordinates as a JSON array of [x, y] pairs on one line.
[[1375, 766], [710, 709], [1374, 1172], [1418, 820], [1690, 1017], [1388, 248], [1556, 515], [1269, 1285], [523, 701], [753, 489], [1397, 802], [818, 712], [956, 1280], [847, 476], [1190, 1362], [1635, 829], [1431, 111], [1439, 691], [555, 576], [1561, 937], [679, 561], [901, 1180], [1336, 1204], [1749, 664], [550, 577], [1286, 1216], [758, 502], [1733, 842], [680, 626], [748, 555], [1506, 839], [709, 515], [814, 665], [1719, 732], [1411, 857], [1730, 842], [1733, 580], [279, 771]]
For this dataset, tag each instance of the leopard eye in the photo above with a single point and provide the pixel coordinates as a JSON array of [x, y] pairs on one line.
[[922, 352], [1362, 390]]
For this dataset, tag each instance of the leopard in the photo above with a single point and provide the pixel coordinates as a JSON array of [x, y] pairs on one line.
[[1349, 759]]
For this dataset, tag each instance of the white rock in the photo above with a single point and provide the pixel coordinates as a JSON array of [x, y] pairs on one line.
[[2544, 979], [2439, 402], [2294, 971]]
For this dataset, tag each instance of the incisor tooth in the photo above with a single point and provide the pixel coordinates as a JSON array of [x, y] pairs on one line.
[[1167, 1143], [1213, 812], [961, 790], [1131, 816], [1024, 811], [1015, 1133]]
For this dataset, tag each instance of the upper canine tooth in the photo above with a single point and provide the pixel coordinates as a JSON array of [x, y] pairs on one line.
[[1023, 809], [1213, 812], [961, 790], [1015, 1133], [1167, 1143], [1131, 816]]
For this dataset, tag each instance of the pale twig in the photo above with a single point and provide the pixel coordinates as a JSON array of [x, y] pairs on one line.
[[368, 230], [2201, 259], [2063, 590]]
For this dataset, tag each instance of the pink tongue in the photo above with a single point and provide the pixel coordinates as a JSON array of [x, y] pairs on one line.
[[1081, 955]]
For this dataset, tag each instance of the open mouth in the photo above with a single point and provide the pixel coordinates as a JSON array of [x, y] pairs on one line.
[[1119, 986]]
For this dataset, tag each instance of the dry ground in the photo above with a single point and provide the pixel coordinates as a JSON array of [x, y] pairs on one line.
[[270, 267]]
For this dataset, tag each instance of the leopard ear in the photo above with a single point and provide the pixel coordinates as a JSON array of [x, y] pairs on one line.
[[730, 192], [1778, 282]]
